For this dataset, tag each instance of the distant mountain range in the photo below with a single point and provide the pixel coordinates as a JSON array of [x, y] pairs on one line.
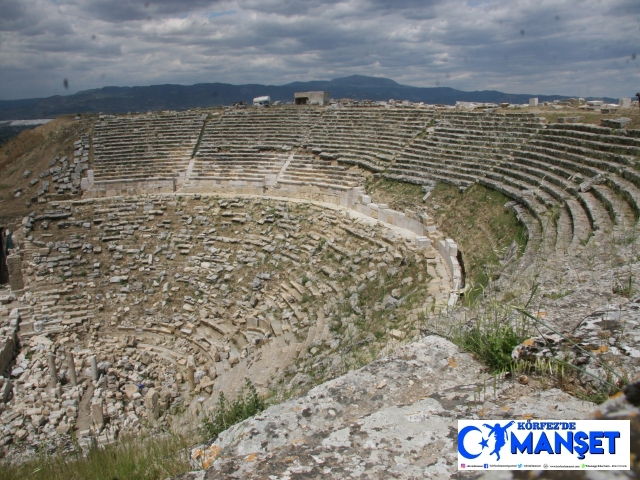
[[181, 97]]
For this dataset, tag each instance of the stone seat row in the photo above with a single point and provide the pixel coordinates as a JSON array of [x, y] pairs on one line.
[[372, 117], [433, 148], [141, 162], [503, 133], [371, 123], [148, 130], [492, 116], [136, 142], [553, 177], [482, 124], [140, 172], [151, 134], [600, 144], [126, 132], [538, 193], [447, 142], [307, 170], [119, 142], [211, 161], [174, 152], [385, 136], [171, 131], [383, 131], [278, 127], [240, 139], [385, 151]]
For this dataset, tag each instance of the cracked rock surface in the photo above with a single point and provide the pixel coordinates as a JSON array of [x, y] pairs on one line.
[[394, 418]]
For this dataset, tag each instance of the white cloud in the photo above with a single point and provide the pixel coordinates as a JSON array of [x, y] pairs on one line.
[[571, 47]]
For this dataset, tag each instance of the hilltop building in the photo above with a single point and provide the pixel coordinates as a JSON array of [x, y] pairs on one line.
[[312, 98]]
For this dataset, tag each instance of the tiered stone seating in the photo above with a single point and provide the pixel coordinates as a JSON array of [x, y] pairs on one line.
[[145, 146], [264, 129], [370, 137], [307, 170], [467, 147], [542, 168], [462, 145], [240, 165], [566, 155]]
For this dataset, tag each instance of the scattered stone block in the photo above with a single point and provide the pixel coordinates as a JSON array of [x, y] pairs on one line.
[[619, 122], [14, 265], [397, 334], [422, 242]]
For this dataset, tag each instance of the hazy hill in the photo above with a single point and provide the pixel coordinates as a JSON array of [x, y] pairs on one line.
[[181, 97]]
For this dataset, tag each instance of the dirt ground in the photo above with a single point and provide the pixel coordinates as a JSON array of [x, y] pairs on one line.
[[33, 150]]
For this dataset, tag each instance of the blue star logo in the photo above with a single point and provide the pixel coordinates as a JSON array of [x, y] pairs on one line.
[[484, 443]]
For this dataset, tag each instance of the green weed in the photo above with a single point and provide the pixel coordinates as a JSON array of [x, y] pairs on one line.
[[227, 413], [492, 339]]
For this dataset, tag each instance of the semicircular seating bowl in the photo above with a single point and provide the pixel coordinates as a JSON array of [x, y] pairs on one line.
[[573, 180], [246, 287], [238, 287]]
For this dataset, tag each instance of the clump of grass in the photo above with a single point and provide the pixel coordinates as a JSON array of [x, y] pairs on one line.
[[492, 338], [130, 458], [625, 289], [227, 413]]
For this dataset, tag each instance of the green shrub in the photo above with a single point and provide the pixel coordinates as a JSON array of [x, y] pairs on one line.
[[226, 414]]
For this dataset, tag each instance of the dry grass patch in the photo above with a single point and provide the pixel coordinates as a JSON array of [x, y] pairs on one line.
[[130, 458]]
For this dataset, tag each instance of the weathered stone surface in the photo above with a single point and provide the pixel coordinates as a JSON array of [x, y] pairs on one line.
[[392, 418], [619, 122], [14, 265], [598, 345]]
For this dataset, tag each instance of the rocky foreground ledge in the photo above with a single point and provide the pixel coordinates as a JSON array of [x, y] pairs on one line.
[[394, 418]]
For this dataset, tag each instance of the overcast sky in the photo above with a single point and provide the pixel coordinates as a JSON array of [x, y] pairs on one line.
[[571, 47]]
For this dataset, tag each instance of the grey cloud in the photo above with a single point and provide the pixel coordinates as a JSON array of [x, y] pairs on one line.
[[287, 8], [136, 10], [469, 45], [15, 15]]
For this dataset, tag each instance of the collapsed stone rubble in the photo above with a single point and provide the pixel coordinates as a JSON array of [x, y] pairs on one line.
[[160, 302]]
